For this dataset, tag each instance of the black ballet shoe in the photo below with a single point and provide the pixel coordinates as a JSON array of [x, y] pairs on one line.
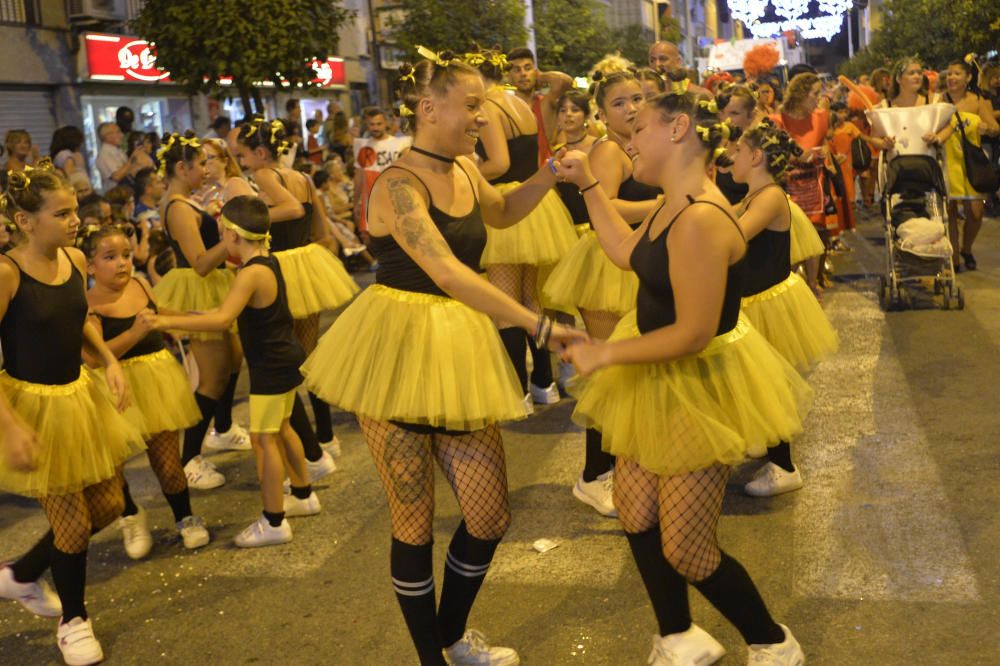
[[969, 260]]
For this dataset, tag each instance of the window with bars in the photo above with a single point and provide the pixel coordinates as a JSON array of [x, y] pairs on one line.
[[24, 12]]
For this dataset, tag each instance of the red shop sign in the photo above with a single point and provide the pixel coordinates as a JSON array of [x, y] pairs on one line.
[[130, 59]]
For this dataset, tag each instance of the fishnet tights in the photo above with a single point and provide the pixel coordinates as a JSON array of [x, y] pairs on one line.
[[687, 508], [473, 463], [519, 281], [75, 516], [163, 451], [599, 323], [307, 331]]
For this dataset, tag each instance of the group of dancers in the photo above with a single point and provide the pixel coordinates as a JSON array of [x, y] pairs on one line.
[[696, 329]]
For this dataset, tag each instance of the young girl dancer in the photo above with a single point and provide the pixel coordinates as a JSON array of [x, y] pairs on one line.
[[776, 301], [424, 369], [258, 301], [82, 438], [161, 395], [684, 388]]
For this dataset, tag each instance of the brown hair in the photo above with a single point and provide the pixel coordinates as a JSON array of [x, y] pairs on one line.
[[427, 78], [798, 89], [704, 115], [222, 152]]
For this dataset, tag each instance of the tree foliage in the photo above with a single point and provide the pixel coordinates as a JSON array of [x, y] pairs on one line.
[[457, 25], [570, 35], [265, 40], [631, 41]]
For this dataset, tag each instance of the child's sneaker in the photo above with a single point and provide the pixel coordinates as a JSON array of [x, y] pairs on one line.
[[193, 532], [295, 507], [261, 533], [472, 650], [37, 597], [78, 644]]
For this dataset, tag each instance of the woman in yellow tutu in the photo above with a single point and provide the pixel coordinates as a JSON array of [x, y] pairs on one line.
[[316, 279], [161, 395], [418, 360], [684, 389], [82, 438], [514, 256], [776, 301]]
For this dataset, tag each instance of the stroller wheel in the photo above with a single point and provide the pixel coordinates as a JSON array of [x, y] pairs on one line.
[[883, 293]]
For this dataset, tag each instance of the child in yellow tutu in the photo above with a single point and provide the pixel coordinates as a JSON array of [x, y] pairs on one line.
[[684, 388], [82, 440], [259, 303], [161, 395], [776, 301]]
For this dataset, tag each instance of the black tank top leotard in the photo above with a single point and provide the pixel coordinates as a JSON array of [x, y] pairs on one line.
[[208, 229], [733, 191], [768, 258], [272, 351], [655, 300], [465, 235], [523, 151], [112, 327], [571, 197], [291, 234], [42, 332]]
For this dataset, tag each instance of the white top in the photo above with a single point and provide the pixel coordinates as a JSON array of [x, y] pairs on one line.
[[110, 158]]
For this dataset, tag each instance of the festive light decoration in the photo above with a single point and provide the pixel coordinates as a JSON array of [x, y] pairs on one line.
[[748, 11], [790, 9], [834, 7], [817, 27], [792, 17]]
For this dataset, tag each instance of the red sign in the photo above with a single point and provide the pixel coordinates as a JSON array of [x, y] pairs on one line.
[[130, 59]]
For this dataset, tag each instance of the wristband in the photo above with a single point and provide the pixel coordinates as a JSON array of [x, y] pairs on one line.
[[552, 165], [591, 186]]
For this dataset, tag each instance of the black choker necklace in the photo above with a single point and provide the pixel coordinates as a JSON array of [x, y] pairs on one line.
[[434, 156], [580, 140]]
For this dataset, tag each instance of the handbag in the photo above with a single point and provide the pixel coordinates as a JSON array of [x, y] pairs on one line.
[[978, 169], [861, 155]]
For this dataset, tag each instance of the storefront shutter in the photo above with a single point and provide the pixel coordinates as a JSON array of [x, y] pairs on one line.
[[30, 110]]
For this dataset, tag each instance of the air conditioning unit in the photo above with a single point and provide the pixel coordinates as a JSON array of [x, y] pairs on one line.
[[97, 11]]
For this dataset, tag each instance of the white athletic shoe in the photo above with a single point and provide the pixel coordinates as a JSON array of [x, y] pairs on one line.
[[193, 532], [37, 597], [323, 467], [202, 475], [545, 396], [472, 650], [694, 647], [332, 447], [78, 644], [234, 439], [135, 535], [260, 533], [786, 653], [598, 493], [771, 480], [295, 507], [566, 373], [529, 404]]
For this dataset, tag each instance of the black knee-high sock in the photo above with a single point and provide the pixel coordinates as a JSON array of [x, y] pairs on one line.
[[412, 570], [69, 573], [130, 508], [666, 588], [180, 504], [33, 564], [196, 433], [781, 455], [515, 341], [596, 462], [541, 372], [733, 594], [300, 424], [468, 561], [224, 407], [321, 416]]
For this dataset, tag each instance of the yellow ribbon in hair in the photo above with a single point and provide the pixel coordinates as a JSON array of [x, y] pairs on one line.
[[404, 110], [409, 77], [254, 126], [243, 233], [18, 180], [190, 142], [718, 152], [679, 87], [499, 60], [475, 59], [704, 132], [435, 58], [724, 128], [708, 104]]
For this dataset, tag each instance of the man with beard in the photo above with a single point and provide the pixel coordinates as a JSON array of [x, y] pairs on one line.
[[372, 155], [541, 90], [665, 58]]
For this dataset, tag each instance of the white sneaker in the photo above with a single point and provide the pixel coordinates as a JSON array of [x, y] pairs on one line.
[[135, 534], [694, 647], [193, 532], [260, 533], [78, 644], [529, 404], [771, 480], [545, 396], [566, 372], [786, 653], [598, 493], [332, 447], [234, 439], [202, 475], [37, 597], [321, 468], [472, 650], [295, 507]]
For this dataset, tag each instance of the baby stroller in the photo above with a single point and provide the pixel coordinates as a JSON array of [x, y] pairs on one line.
[[918, 252]]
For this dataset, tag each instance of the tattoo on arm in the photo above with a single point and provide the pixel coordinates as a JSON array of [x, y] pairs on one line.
[[409, 224]]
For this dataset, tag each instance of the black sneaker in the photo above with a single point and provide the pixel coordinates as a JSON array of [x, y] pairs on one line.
[[969, 260]]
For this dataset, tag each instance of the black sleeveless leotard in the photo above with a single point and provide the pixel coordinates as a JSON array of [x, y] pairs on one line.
[[208, 229], [768, 259], [523, 151], [112, 327], [291, 234]]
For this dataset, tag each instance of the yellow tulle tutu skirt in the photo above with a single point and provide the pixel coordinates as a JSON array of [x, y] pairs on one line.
[[183, 290], [162, 400], [729, 401], [792, 320], [805, 240], [543, 237], [82, 437], [315, 280], [397, 355], [587, 279]]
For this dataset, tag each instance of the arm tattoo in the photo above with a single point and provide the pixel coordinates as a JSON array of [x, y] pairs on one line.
[[409, 224], [402, 196]]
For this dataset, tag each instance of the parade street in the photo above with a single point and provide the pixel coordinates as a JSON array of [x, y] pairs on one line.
[[886, 556]]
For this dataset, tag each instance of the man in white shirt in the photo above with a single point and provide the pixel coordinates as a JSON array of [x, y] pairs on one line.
[[372, 155], [112, 162]]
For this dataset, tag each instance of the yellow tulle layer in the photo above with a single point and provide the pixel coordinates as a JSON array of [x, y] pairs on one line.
[[162, 399], [82, 437], [315, 280], [416, 358], [183, 290], [792, 320], [731, 400], [544, 236], [805, 240], [587, 279]]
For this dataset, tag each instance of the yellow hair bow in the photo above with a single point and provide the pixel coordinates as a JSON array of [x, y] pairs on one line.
[[475, 59], [254, 126], [770, 141], [43, 164], [704, 132], [277, 126], [243, 233], [724, 128], [708, 104], [499, 60], [409, 77], [404, 110], [18, 180], [718, 152], [435, 58], [679, 87], [191, 142]]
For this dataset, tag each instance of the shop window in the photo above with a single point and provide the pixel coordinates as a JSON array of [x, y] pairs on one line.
[[23, 12]]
